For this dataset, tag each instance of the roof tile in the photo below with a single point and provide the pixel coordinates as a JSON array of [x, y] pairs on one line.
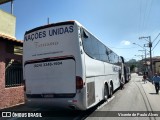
[[9, 38]]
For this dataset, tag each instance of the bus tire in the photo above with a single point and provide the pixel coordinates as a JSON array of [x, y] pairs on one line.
[[106, 93], [111, 90]]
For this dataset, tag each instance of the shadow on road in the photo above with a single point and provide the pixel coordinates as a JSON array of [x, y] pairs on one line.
[[153, 93]]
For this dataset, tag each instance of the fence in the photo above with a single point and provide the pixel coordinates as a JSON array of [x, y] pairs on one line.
[[14, 75]]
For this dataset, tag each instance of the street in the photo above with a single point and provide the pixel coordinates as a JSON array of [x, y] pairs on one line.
[[136, 98]]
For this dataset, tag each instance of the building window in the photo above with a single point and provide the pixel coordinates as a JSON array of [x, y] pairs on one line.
[[13, 49], [13, 73], [18, 50]]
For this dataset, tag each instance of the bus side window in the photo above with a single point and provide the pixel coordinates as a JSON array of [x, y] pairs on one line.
[[107, 53], [84, 34]]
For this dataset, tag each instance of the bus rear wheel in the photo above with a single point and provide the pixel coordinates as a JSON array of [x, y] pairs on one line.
[[111, 91], [106, 93]]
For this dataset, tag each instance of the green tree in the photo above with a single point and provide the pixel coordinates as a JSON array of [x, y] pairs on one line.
[[132, 67]]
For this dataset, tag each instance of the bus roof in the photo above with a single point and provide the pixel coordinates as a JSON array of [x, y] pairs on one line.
[[51, 25]]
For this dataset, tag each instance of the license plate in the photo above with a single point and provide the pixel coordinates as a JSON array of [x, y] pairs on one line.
[[48, 96]]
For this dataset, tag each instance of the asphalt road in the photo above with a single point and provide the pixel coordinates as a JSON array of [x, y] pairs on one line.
[[136, 99]]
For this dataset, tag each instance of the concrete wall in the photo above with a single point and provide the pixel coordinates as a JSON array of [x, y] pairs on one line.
[[157, 67], [7, 23], [10, 96]]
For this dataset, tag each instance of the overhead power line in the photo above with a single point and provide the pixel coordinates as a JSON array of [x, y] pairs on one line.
[[121, 48], [156, 44], [156, 38]]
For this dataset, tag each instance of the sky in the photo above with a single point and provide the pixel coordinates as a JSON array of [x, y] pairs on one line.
[[117, 23]]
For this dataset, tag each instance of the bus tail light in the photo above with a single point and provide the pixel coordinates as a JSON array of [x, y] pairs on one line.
[[79, 82]]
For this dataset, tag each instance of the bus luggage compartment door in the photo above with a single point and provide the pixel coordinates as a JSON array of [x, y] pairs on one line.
[[51, 77]]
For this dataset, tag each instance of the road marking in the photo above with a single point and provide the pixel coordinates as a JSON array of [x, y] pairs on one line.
[[105, 103]]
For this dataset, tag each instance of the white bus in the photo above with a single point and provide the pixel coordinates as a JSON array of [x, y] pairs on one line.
[[65, 64]]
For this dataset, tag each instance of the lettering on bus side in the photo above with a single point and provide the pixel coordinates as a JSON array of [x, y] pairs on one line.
[[34, 36], [59, 31], [38, 65], [45, 64], [51, 64], [51, 32]]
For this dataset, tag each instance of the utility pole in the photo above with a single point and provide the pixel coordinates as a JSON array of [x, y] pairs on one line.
[[150, 51], [140, 65], [145, 55], [146, 70]]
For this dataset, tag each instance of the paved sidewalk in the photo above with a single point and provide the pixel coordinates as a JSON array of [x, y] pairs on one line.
[[153, 98]]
